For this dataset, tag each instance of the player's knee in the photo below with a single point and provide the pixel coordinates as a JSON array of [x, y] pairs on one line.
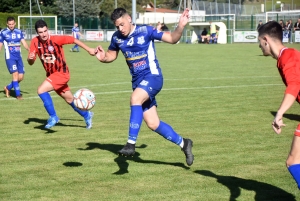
[[135, 100], [288, 163], [69, 100], [291, 160], [153, 125], [39, 91]]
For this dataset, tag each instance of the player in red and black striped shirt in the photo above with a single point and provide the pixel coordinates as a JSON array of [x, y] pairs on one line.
[[288, 63], [50, 51]]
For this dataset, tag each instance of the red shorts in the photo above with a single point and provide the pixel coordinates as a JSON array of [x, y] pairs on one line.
[[59, 81], [297, 131]]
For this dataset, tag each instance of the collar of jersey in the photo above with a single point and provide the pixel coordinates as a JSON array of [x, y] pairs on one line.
[[133, 29]]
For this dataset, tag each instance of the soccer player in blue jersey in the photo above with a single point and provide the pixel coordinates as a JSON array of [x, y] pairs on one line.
[[76, 34], [12, 39], [137, 45]]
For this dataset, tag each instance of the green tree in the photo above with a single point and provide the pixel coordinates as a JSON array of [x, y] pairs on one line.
[[23, 6], [107, 6], [83, 8], [9, 6]]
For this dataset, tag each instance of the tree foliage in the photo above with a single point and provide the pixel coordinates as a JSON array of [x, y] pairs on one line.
[[23, 6], [107, 6], [83, 8]]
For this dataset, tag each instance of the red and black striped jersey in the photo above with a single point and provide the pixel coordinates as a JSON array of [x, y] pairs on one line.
[[51, 53], [288, 64]]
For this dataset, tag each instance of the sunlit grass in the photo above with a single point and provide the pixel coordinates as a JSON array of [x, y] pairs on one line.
[[223, 97]]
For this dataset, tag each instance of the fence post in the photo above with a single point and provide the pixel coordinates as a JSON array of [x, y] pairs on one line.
[[252, 27]]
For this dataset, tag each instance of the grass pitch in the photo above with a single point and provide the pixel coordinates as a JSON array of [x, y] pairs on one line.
[[223, 97]]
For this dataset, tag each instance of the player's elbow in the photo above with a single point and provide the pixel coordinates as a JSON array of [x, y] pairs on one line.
[[30, 61]]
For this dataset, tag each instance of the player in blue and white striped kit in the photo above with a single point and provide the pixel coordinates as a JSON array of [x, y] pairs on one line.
[[137, 45], [76, 34], [12, 39]]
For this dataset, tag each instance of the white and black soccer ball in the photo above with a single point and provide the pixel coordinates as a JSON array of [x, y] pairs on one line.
[[84, 99]]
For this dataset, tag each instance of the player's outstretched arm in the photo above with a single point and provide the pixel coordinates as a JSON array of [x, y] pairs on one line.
[[23, 41], [105, 57], [91, 51], [287, 102], [175, 36]]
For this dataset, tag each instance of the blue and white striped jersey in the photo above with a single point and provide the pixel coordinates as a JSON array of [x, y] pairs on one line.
[[139, 51], [12, 42], [75, 32]]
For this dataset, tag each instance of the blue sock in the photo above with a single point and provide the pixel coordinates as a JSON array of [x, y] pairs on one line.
[[167, 132], [295, 172], [48, 104], [135, 122], [82, 113], [9, 86], [16, 87]]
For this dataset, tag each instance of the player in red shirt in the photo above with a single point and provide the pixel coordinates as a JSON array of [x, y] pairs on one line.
[[288, 63], [49, 50]]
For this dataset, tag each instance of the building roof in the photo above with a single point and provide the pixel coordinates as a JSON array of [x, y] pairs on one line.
[[150, 8], [161, 10]]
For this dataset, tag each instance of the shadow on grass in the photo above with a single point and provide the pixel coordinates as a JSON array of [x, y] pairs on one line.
[[294, 117], [43, 123], [72, 164], [122, 161], [263, 191]]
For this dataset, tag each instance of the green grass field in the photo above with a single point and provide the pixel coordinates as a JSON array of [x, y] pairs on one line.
[[223, 97]]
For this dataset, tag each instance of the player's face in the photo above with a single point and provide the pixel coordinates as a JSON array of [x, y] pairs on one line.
[[264, 46], [43, 33], [124, 25], [11, 25]]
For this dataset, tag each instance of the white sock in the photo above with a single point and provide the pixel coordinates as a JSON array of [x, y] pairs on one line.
[[181, 144], [131, 142]]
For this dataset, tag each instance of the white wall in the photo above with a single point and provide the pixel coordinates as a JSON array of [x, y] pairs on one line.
[[153, 18]]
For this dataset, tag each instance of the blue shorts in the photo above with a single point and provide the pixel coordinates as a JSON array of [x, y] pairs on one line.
[[152, 85], [15, 65]]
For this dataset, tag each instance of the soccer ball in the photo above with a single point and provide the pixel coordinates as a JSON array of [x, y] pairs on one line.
[[84, 99]]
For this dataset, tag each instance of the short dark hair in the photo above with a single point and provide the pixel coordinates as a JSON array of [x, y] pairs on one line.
[[273, 29], [40, 24], [10, 18], [117, 13]]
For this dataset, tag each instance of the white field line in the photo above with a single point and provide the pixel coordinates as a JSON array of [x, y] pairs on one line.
[[177, 79], [164, 89]]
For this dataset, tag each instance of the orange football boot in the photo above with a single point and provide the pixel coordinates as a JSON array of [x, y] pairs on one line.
[[6, 92]]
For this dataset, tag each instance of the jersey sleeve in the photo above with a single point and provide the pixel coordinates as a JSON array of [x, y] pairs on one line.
[[22, 35], [63, 40], [1, 37], [290, 63], [113, 43], [154, 33]]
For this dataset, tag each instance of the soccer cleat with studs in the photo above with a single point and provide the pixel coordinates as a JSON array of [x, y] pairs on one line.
[[6, 92], [51, 122], [88, 120], [187, 150], [127, 150]]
